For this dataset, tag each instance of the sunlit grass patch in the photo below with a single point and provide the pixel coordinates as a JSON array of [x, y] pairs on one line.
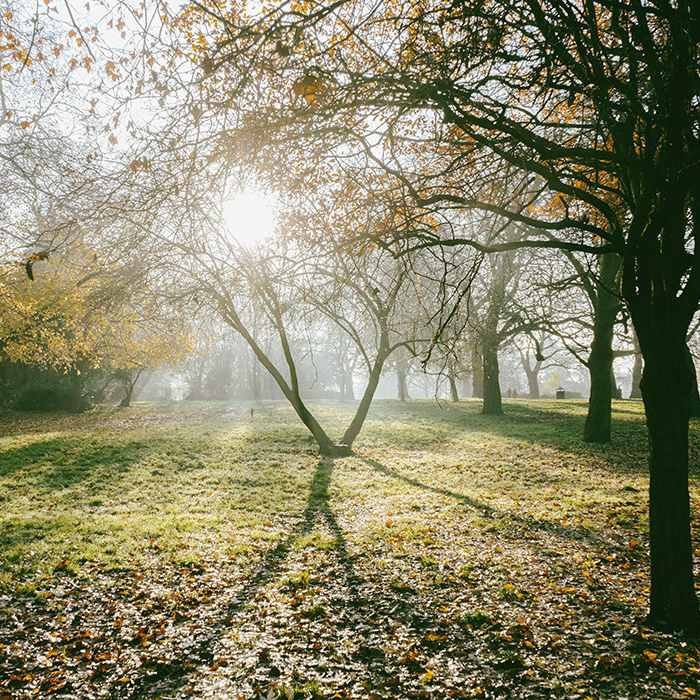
[[114, 493]]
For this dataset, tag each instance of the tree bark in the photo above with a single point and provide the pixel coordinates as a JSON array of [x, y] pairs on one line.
[[597, 427], [454, 394], [477, 373], [666, 387], [636, 391], [492, 389], [402, 387]]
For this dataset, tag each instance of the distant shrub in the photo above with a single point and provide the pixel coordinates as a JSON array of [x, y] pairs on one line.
[[50, 398]]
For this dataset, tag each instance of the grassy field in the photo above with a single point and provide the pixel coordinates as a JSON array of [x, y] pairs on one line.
[[196, 551]]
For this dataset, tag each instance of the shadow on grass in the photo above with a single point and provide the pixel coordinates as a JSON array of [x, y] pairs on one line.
[[60, 463], [172, 676], [386, 471], [176, 672], [549, 426], [563, 532]]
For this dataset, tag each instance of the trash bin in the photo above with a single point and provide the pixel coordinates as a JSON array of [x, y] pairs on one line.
[[561, 393]]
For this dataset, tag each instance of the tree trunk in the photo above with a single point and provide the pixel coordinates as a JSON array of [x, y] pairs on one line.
[[349, 388], [533, 385], [366, 401], [129, 382], [635, 391], [666, 387], [402, 387], [597, 428], [128, 391], [532, 374], [477, 373], [492, 389], [662, 303], [454, 394]]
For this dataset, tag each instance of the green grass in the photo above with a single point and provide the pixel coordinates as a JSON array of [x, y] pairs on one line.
[[453, 549], [113, 487]]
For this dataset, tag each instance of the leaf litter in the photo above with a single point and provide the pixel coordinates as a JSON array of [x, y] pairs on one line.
[[428, 572]]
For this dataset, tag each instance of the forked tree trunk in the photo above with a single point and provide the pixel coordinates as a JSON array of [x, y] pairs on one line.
[[290, 389], [666, 387], [597, 428], [492, 388]]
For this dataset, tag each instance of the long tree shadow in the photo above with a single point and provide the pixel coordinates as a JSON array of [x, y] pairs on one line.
[[369, 660], [177, 672], [529, 523], [472, 503], [549, 426]]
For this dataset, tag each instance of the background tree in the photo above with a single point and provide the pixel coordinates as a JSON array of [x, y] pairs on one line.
[[76, 317]]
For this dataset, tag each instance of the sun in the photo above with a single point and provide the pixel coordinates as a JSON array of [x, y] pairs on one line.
[[250, 217]]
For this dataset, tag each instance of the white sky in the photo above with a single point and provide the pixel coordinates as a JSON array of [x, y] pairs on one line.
[[250, 216]]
